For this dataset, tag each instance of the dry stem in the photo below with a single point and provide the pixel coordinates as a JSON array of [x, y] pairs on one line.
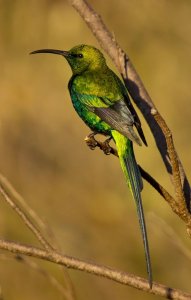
[[103, 271], [30, 219]]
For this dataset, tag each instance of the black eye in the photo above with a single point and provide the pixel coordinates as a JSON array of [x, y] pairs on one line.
[[78, 55]]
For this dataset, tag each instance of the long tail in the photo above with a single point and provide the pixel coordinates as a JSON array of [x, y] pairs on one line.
[[135, 184]]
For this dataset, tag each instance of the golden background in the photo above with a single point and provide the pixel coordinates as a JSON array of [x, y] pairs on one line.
[[82, 194]]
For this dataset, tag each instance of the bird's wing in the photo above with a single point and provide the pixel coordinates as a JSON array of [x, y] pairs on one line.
[[117, 115], [137, 121], [117, 122], [131, 109]]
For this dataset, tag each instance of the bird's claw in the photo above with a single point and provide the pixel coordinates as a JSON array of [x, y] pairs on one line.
[[91, 141], [106, 147]]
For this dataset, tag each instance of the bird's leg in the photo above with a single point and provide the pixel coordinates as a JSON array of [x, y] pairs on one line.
[[106, 146], [91, 141]]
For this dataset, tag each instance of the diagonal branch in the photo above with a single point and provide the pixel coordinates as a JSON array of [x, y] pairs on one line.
[[30, 219], [159, 128], [35, 266], [7, 191], [92, 144], [103, 271], [181, 200]]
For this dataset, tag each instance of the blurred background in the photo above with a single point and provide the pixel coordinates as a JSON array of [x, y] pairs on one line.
[[81, 194]]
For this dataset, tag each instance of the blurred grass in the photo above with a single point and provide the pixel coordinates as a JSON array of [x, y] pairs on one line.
[[82, 194]]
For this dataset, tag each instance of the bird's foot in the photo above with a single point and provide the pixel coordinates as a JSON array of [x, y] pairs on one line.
[[107, 149], [91, 141]]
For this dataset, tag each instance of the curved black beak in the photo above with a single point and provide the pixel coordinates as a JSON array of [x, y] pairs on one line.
[[52, 51]]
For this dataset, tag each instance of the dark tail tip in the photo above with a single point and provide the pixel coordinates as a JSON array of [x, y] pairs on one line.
[[150, 281]]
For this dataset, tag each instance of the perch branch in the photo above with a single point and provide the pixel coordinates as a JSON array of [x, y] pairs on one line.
[[181, 201], [159, 128], [103, 271], [157, 186]]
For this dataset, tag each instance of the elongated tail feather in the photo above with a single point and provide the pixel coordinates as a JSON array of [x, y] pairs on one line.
[[134, 181]]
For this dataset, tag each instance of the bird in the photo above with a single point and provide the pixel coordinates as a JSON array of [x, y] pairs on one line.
[[102, 102]]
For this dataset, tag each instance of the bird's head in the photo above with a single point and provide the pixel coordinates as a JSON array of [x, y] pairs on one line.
[[80, 58]]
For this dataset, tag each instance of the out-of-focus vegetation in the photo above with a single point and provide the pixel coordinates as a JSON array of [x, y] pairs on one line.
[[81, 194]]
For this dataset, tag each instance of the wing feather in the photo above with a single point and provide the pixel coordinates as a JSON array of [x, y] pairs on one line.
[[117, 115], [117, 122]]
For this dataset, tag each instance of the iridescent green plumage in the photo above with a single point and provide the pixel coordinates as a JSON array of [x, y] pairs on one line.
[[101, 100]]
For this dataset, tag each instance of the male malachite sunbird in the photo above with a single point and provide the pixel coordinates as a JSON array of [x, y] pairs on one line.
[[101, 100]]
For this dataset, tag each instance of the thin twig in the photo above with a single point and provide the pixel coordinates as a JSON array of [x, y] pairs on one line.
[[177, 207], [103, 271], [12, 197], [157, 186], [23, 215], [170, 233], [35, 266]]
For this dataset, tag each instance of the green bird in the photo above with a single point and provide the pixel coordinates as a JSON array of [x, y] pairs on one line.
[[101, 100]]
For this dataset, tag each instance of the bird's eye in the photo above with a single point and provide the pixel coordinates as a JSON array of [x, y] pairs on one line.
[[77, 55]]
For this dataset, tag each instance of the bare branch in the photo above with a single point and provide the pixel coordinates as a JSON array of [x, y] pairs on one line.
[[182, 213], [159, 128], [7, 192], [11, 196], [103, 271], [35, 266], [170, 233]]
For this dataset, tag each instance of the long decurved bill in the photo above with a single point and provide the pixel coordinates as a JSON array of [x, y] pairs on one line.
[[52, 51]]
